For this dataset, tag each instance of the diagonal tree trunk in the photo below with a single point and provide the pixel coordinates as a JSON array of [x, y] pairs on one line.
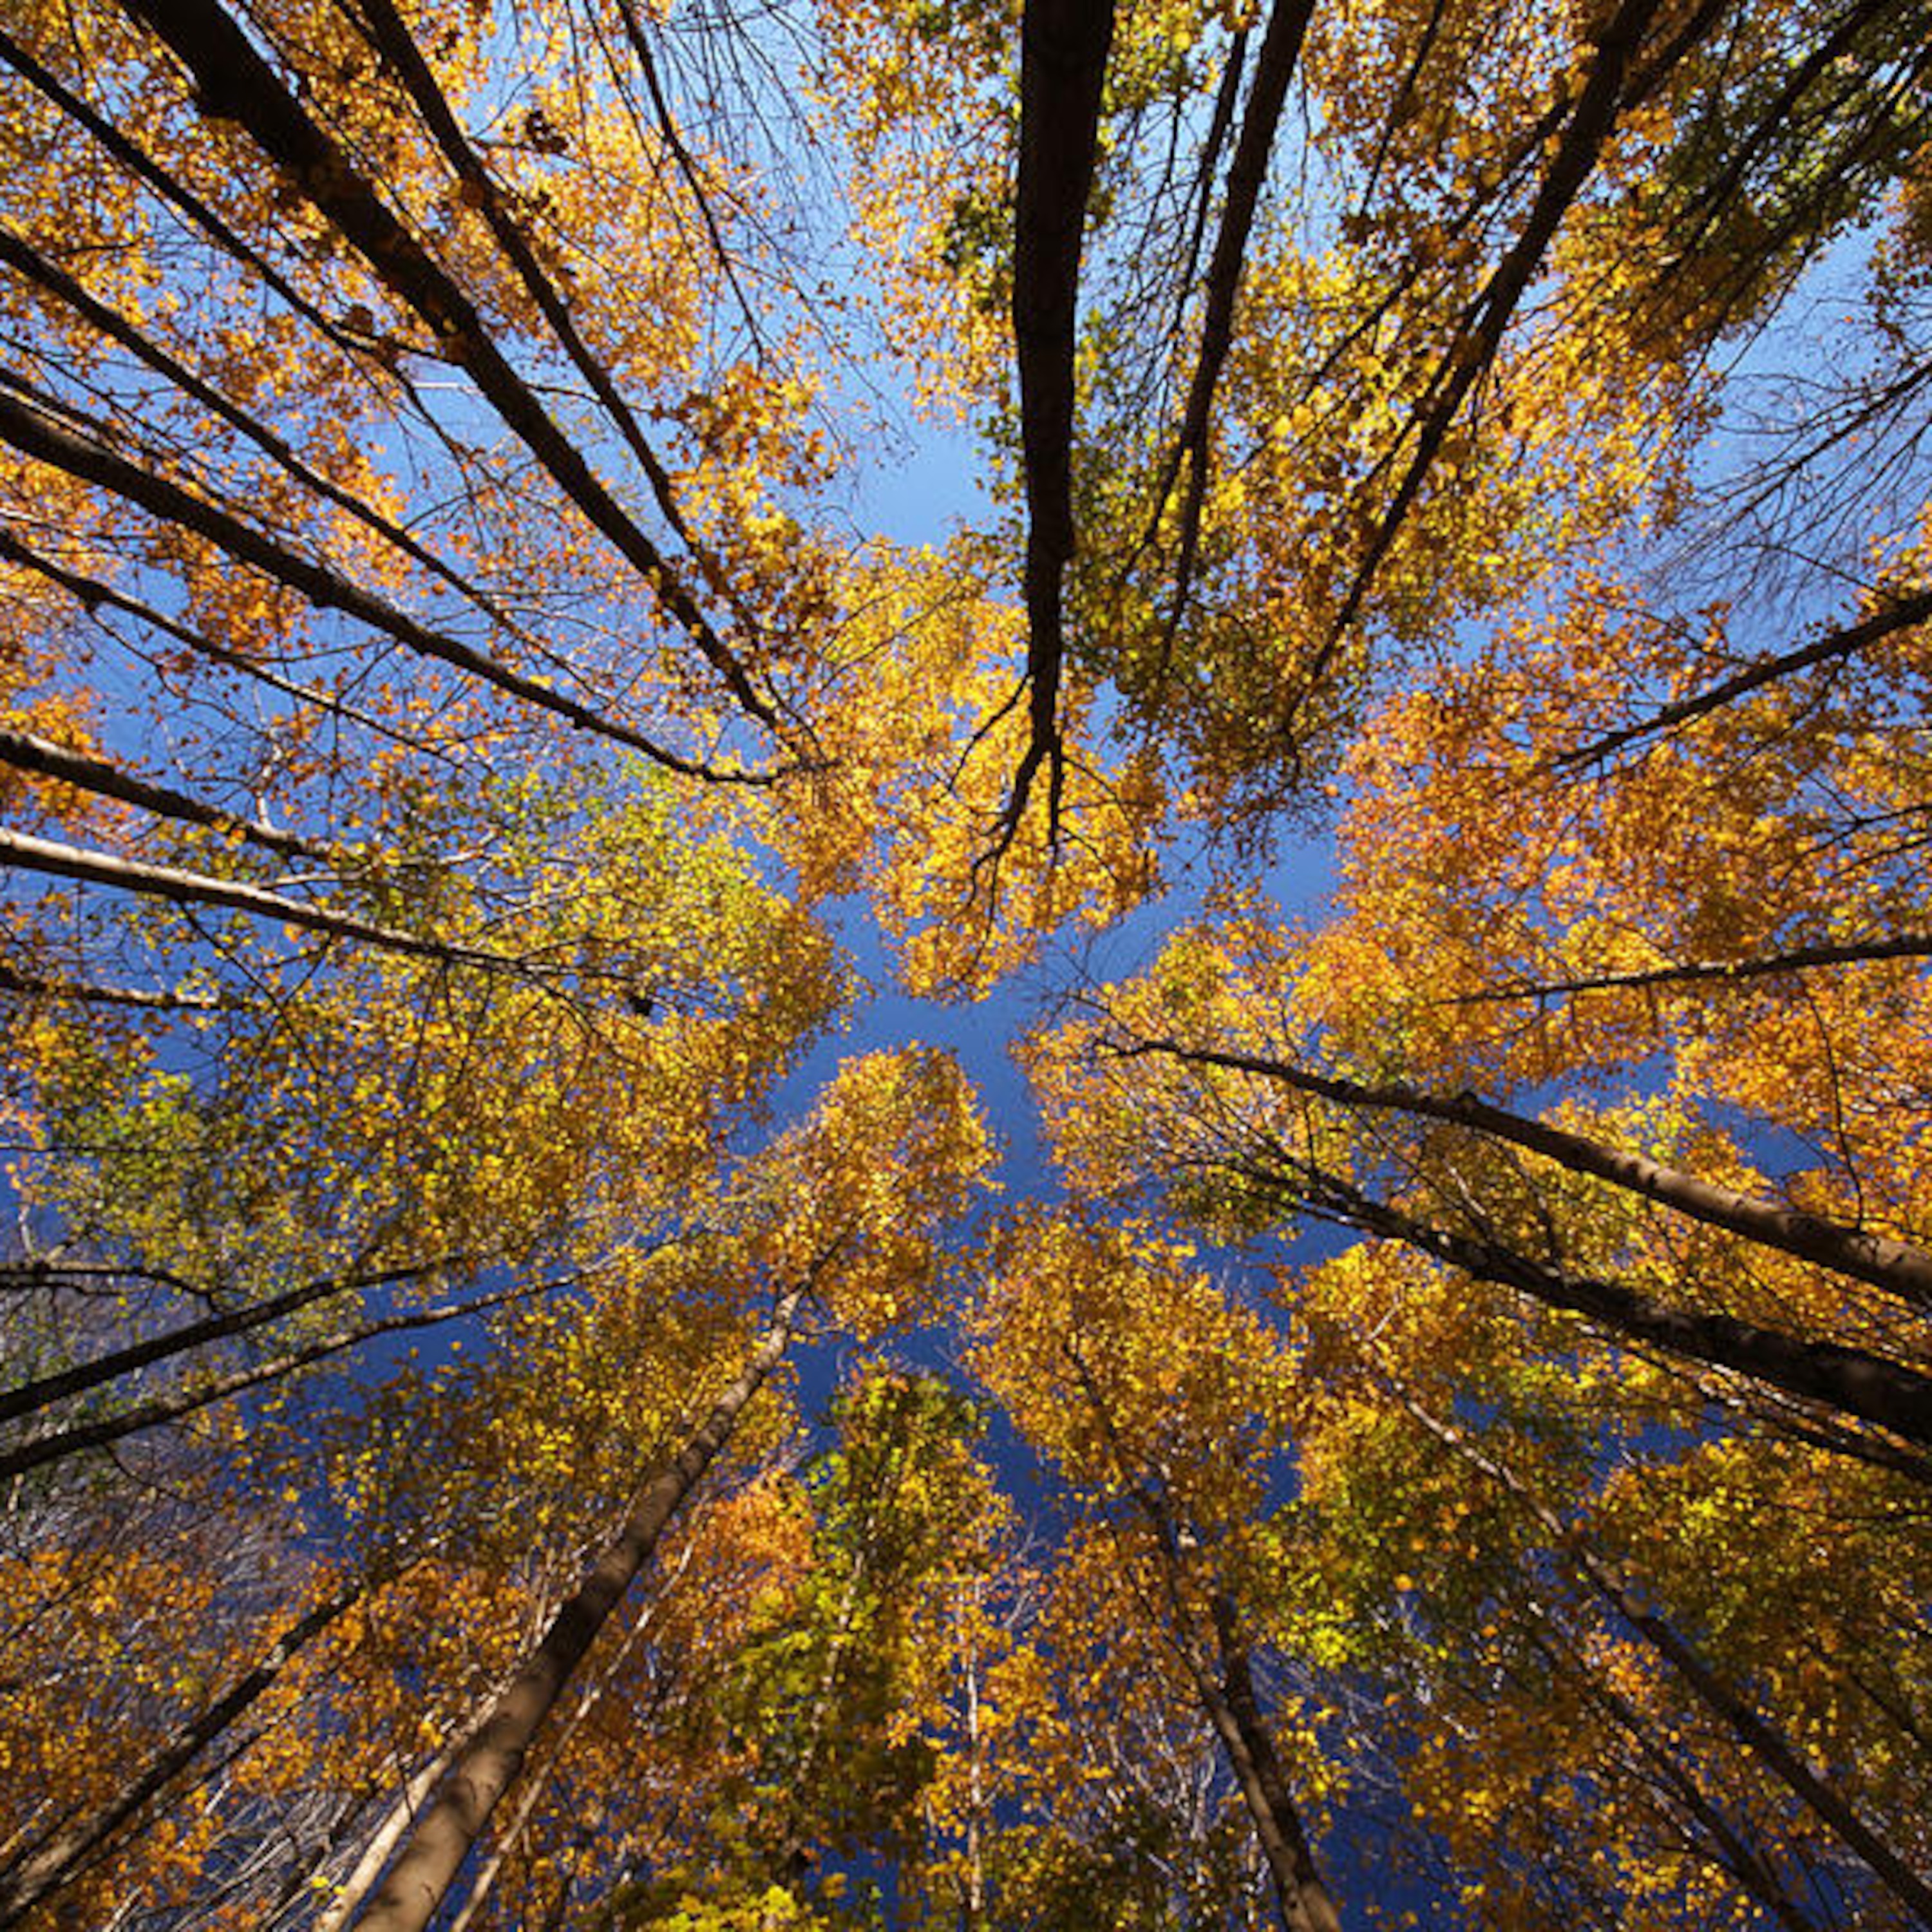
[[1235, 1711], [1896, 1266], [1230, 1702], [59, 1861], [1759, 1737], [488, 1763], [234, 81]]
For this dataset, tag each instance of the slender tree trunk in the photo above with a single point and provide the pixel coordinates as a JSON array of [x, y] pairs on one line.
[[973, 1886], [181, 887], [1235, 1711], [1789, 959], [488, 1763], [234, 82], [383, 1841], [59, 1861], [1901, 614], [1853, 1381], [1274, 69], [89, 993], [27, 752], [534, 1787], [1744, 1862], [1301, 1898], [1759, 1739], [1896, 1266], [1231, 1704], [29, 1397], [1063, 49], [179, 1402]]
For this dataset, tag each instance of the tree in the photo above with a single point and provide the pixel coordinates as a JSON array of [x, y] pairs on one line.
[[451, 698], [1122, 1366]]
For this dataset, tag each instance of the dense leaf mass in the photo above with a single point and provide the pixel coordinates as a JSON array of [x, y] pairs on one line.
[[529, 1401]]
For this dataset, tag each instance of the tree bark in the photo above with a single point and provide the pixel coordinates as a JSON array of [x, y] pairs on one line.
[[179, 1401], [29, 1397], [1063, 49], [1852, 1381], [1274, 69], [1229, 1702], [1693, 972], [1896, 1266], [1900, 614], [59, 1860], [1236, 1713], [1759, 1738], [1469, 357], [27, 752], [35, 434], [236, 82], [382, 1842], [88, 993], [488, 1765], [182, 887]]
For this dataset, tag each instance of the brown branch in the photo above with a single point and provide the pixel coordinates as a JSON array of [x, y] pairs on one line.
[[1897, 1266], [1760, 1738], [1900, 614], [25, 751], [179, 1403], [12, 981], [687, 166], [1794, 959], [1474, 349], [1231, 1705], [29, 1397], [95, 593], [1823, 55], [390, 36], [1425, 45], [144, 168], [1274, 68], [20, 255], [58, 1862], [1852, 1381], [31, 432], [234, 82], [1745, 1862], [1220, 125]]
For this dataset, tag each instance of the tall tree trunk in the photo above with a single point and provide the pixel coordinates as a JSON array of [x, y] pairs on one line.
[[488, 1765], [1895, 1266], [383, 1841], [59, 1861], [973, 1884], [1063, 49], [29, 1396], [1229, 1700], [1756, 1735], [1745, 1863], [1235, 1711], [184, 1401], [511, 1836], [1853, 1381]]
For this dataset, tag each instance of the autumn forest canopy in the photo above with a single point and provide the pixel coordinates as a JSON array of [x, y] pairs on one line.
[[524, 1404]]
